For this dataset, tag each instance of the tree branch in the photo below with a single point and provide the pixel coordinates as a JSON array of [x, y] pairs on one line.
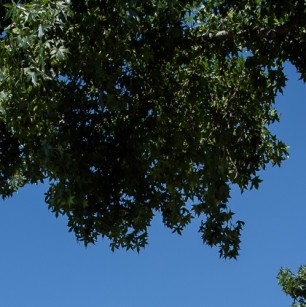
[[273, 33], [282, 30]]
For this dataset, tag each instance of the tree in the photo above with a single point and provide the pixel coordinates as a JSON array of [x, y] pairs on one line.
[[294, 285], [129, 108]]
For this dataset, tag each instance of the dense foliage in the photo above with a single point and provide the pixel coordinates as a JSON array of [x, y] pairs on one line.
[[131, 107]]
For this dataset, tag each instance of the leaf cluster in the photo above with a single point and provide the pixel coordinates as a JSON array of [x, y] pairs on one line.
[[294, 285]]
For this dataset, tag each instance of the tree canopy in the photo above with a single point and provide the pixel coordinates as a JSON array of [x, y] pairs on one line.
[[132, 108]]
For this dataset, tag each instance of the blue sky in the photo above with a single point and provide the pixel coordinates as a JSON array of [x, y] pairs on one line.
[[42, 265]]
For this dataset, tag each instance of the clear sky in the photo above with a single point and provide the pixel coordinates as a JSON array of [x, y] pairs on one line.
[[42, 265]]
